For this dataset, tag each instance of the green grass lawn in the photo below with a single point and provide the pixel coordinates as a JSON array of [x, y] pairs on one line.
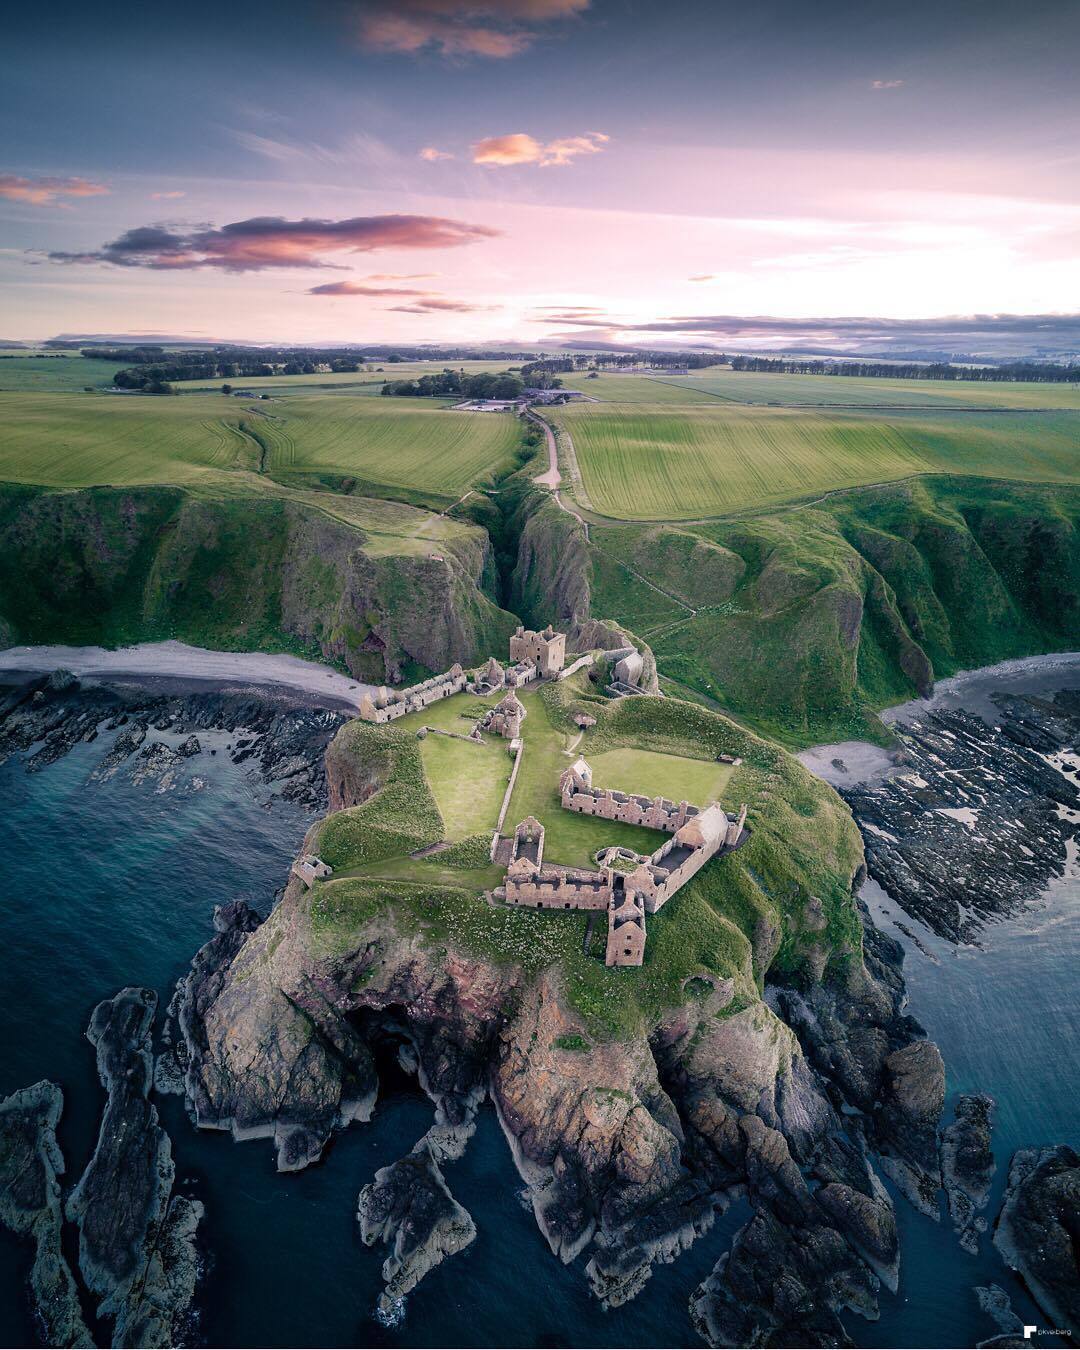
[[640, 462], [569, 839], [693, 780], [73, 440], [468, 781]]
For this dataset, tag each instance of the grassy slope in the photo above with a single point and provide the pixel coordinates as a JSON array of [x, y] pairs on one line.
[[808, 620], [672, 462], [247, 572], [739, 917]]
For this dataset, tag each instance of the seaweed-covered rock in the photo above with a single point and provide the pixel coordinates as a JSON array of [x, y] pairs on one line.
[[967, 1166], [136, 1240], [30, 1165], [1038, 1229], [409, 1207]]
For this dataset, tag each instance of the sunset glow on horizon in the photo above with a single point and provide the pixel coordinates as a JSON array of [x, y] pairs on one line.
[[559, 170]]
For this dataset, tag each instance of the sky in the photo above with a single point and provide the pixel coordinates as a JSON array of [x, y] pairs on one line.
[[544, 170]]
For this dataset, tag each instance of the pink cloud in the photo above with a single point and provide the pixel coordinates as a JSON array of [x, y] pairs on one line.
[[437, 304], [358, 288], [432, 154], [520, 148], [493, 28], [167, 196], [269, 241], [47, 191]]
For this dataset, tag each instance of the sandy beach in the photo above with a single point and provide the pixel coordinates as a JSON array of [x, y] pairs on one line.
[[176, 660]]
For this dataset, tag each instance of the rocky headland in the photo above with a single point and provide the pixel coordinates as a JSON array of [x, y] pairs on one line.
[[630, 1138]]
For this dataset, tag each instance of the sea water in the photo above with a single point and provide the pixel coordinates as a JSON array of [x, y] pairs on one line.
[[107, 884]]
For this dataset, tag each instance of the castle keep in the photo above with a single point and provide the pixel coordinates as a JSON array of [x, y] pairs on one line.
[[533, 656]]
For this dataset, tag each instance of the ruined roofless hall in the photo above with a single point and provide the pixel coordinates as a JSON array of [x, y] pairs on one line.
[[698, 834]]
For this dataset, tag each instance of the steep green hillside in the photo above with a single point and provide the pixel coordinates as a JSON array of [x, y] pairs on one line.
[[121, 565], [803, 622]]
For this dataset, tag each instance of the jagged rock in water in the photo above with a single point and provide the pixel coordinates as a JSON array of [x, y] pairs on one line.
[[967, 1166], [971, 831], [996, 1302], [30, 1164], [906, 1122], [1038, 1229], [285, 742], [409, 1207], [136, 1241], [783, 1283]]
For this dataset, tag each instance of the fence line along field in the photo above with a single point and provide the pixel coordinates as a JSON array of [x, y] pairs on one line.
[[641, 462], [715, 384], [67, 440]]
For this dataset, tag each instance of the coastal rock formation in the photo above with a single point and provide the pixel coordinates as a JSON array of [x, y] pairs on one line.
[[979, 822], [907, 1119], [635, 1110], [30, 1165], [967, 1166], [252, 571], [136, 1239], [282, 741], [1038, 1230], [409, 1207]]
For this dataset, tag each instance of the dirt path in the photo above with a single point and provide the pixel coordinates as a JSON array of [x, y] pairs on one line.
[[553, 478]]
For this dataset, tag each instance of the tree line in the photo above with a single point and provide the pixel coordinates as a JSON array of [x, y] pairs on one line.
[[456, 384], [1028, 372]]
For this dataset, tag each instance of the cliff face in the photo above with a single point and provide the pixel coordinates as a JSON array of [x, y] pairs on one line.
[[115, 566]]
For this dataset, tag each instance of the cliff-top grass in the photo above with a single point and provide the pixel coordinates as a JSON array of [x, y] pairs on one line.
[[690, 461], [71, 440]]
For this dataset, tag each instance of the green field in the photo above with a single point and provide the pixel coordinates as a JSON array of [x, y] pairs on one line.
[[53, 372], [816, 391], [468, 782], [642, 462], [693, 780], [66, 440]]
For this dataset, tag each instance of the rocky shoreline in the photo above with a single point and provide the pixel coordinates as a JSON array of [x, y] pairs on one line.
[[155, 736], [980, 818]]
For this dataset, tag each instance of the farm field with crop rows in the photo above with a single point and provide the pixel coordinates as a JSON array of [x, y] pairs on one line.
[[641, 462]]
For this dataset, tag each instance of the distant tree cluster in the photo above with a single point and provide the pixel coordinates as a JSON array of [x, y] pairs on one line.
[[455, 384], [1030, 372]]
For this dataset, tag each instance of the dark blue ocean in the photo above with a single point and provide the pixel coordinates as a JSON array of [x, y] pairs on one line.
[[110, 884]]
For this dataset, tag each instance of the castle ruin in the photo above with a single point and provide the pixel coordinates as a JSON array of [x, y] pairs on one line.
[[386, 705], [697, 835]]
